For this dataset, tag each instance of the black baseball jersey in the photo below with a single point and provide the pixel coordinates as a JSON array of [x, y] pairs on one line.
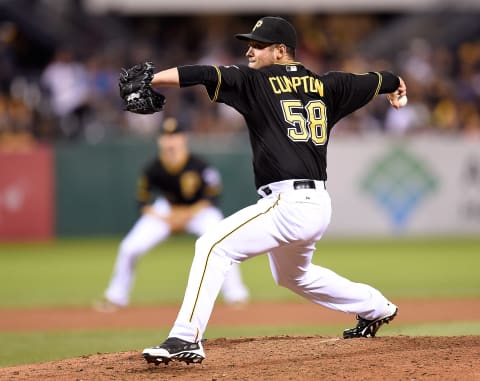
[[195, 181], [289, 110]]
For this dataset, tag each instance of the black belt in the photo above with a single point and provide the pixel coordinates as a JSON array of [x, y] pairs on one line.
[[297, 184]]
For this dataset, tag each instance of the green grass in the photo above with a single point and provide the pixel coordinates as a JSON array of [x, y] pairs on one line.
[[414, 268], [74, 272]]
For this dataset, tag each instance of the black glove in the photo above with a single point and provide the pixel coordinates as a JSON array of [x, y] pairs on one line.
[[136, 90]]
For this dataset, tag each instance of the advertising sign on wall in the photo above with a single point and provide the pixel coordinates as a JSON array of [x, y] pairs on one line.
[[26, 195], [411, 186]]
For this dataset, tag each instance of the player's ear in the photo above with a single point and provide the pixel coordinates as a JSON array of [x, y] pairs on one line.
[[280, 51]]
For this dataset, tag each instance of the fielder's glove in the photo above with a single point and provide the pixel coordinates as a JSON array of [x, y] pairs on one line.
[[136, 90]]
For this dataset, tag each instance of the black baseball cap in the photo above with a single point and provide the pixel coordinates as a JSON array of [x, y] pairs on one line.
[[272, 30], [171, 126]]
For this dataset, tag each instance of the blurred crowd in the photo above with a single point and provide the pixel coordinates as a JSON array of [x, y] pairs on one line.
[[71, 92]]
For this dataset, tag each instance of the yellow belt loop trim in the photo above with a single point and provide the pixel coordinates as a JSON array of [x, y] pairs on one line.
[[216, 243]]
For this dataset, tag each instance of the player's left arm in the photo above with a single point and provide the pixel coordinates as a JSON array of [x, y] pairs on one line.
[[223, 83], [187, 75], [166, 78]]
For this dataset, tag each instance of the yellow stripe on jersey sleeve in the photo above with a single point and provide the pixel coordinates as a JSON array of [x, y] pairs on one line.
[[219, 82], [379, 86]]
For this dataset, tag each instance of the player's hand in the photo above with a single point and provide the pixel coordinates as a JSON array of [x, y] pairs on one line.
[[137, 92], [180, 215], [133, 79], [177, 219], [399, 97]]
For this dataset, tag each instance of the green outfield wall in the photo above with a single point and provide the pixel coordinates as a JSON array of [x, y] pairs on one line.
[[95, 185], [382, 187]]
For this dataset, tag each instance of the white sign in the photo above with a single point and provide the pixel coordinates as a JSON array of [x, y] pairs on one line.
[[412, 186]]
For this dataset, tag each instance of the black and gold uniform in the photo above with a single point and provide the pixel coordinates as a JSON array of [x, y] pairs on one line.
[[177, 192], [194, 181], [289, 110]]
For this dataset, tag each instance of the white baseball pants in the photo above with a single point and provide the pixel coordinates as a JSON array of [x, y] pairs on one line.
[[148, 232], [285, 224]]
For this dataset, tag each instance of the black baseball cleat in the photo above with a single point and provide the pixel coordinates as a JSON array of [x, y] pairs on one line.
[[368, 328], [175, 349]]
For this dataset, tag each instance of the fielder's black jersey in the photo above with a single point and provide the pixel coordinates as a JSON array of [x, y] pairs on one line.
[[195, 181], [289, 110]]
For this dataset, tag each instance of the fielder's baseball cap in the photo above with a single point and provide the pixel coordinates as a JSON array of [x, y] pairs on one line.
[[171, 126], [272, 30]]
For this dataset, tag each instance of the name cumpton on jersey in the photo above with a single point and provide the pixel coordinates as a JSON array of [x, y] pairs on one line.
[[284, 84]]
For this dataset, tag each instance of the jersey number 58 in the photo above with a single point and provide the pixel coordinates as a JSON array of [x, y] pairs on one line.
[[311, 124]]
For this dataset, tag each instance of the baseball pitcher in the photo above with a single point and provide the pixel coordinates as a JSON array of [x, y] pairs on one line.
[[290, 112]]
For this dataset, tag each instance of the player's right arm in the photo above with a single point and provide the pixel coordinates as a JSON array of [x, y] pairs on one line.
[[394, 96], [348, 92]]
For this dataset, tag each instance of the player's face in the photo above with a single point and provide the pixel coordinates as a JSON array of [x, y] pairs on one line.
[[173, 147], [260, 54]]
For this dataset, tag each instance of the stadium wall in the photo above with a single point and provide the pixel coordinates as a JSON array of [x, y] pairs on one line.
[[421, 185], [380, 186], [27, 193], [96, 185]]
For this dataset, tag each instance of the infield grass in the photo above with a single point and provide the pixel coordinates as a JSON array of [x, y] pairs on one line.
[[74, 272]]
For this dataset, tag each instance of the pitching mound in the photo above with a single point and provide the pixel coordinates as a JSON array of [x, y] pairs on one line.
[[283, 358]]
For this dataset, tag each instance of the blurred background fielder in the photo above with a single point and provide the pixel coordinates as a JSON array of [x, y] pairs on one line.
[[177, 192]]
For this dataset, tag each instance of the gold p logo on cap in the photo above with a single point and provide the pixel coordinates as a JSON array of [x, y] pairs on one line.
[[257, 25]]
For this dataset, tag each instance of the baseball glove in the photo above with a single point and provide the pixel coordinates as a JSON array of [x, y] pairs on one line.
[[137, 92]]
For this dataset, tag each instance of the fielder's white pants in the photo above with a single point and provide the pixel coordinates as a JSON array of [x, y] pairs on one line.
[[148, 232], [285, 224]]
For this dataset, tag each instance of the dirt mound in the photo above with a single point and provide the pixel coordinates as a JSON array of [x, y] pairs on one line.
[[282, 358]]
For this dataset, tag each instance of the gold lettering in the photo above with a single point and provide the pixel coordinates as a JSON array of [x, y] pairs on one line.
[[275, 89], [319, 87], [306, 80], [311, 85], [296, 82], [286, 84], [284, 87]]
